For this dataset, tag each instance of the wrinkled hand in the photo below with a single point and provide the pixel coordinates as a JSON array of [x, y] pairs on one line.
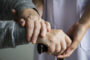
[[76, 32], [56, 41], [35, 26]]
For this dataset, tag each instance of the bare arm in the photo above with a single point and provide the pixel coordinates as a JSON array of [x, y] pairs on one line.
[[77, 32], [85, 20]]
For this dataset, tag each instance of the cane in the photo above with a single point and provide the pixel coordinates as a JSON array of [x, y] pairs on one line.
[[42, 48]]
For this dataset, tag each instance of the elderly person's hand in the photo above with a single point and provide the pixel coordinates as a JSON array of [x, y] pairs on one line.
[[35, 26], [56, 41]]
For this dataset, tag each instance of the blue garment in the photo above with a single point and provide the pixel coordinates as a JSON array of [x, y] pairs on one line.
[[6, 7], [11, 34]]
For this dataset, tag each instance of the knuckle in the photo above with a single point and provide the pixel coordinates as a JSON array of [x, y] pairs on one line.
[[30, 26], [35, 17], [52, 41], [35, 36], [60, 31]]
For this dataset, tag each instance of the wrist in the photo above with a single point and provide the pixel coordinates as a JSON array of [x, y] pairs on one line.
[[36, 11], [27, 12]]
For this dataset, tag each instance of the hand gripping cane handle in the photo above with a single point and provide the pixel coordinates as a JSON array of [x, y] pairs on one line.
[[42, 48]]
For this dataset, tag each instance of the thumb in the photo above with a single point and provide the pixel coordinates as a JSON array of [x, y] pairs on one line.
[[72, 47], [69, 50]]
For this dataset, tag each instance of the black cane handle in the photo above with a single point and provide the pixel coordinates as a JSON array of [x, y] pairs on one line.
[[42, 48]]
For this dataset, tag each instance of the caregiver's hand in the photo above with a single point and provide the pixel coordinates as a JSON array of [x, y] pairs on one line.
[[35, 26], [56, 41], [76, 33]]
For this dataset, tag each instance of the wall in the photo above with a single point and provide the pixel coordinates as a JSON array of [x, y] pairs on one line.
[[24, 52]]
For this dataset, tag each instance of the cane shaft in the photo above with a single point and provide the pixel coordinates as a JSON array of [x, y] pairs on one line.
[[59, 59]]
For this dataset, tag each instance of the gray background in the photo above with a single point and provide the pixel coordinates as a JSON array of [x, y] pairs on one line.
[[23, 52]]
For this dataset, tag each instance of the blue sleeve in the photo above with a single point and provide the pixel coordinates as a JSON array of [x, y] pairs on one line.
[[11, 34], [7, 5]]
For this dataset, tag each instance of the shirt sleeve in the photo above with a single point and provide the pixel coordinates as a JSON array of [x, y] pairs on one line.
[[7, 5], [11, 34], [23, 4]]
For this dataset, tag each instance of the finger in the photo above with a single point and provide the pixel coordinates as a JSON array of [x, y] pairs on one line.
[[51, 49], [68, 40], [63, 46], [29, 28], [65, 55], [69, 51], [22, 22], [48, 26], [43, 29], [71, 48], [36, 31], [57, 49]]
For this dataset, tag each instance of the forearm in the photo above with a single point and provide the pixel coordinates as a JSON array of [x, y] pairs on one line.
[[39, 5], [11, 34], [85, 19]]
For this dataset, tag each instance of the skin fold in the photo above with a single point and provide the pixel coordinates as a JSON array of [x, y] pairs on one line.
[[56, 41]]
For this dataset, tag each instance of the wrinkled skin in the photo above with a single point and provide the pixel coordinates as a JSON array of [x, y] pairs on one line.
[[56, 41]]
